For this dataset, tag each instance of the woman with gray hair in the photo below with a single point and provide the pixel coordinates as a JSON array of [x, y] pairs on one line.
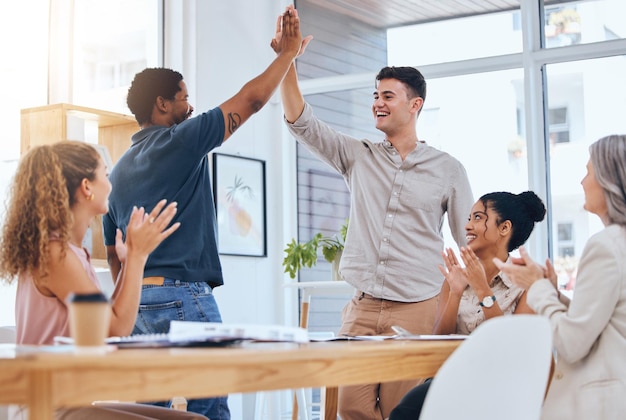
[[589, 333]]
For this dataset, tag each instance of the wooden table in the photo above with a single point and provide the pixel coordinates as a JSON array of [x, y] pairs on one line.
[[47, 379]]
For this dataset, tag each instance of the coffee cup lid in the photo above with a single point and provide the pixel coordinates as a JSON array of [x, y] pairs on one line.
[[87, 297]]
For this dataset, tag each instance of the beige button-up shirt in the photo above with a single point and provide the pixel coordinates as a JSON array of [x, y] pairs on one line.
[[394, 240]]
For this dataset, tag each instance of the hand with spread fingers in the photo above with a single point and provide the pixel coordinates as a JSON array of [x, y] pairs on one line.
[[147, 230], [474, 270], [454, 274]]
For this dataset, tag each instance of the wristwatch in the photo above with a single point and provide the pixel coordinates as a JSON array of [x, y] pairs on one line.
[[487, 302]]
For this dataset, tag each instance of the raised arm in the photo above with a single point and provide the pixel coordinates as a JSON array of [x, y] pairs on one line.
[[293, 101], [255, 94]]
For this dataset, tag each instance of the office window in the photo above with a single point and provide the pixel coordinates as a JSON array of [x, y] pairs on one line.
[[583, 22], [455, 39], [24, 67], [89, 63], [484, 135], [558, 125], [112, 41], [587, 96], [565, 239], [23, 28], [562, 26]]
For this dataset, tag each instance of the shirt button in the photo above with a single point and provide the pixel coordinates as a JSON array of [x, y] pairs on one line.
[[385, 239], [390, 215], [395, 193], [382, 263], [558, 375]]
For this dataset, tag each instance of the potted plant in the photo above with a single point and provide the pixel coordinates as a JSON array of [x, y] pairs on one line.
[[299, 255]]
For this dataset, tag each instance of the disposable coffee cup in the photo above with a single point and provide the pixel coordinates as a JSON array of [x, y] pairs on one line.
[[90, 316]]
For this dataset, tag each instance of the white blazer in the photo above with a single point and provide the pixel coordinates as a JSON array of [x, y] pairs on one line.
[[589, 380]]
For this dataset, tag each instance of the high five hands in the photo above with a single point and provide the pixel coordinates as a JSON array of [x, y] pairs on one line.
[[286, 25]]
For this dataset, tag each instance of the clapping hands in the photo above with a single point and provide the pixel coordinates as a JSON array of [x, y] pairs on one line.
[[458, 277], [524, 271], [146, 231]]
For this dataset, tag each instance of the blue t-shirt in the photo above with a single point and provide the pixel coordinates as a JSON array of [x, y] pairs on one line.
[[172, 163]]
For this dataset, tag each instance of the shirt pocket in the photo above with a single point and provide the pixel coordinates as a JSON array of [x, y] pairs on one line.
[[423, 192]]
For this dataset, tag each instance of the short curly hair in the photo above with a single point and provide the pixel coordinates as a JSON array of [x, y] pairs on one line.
[[147, 86], [40, 199]]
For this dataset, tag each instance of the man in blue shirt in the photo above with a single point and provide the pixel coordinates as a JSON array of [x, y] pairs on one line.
[[168, 159]]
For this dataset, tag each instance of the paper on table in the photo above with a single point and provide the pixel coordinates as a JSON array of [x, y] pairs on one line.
[[397, 337], [191, 330], [194, 334], [431, 337], [206, 334]]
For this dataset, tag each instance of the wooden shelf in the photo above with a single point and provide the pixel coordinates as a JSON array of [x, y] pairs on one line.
[[52, 123]]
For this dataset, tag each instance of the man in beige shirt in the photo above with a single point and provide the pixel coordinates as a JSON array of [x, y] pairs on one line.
[[401, 188]]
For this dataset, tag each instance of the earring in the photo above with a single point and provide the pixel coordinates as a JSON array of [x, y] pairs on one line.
[[91, 197]]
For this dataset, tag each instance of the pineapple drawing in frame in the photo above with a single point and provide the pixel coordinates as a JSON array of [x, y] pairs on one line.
[[239, 220]]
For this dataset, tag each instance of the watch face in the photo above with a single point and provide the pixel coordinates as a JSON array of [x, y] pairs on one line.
[[488, 301]]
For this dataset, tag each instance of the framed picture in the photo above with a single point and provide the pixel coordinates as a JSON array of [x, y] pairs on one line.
[[239, 192]]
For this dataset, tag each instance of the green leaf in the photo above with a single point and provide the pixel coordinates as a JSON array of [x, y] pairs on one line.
[[299, 255], [330, 252]]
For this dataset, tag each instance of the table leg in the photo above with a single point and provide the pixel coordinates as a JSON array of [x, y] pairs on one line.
[[329, 396], [40, 397], [304, 323]]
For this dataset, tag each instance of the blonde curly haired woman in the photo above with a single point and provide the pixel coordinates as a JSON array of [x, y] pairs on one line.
[[56, 193]]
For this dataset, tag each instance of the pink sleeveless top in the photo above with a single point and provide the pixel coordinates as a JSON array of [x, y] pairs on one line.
[[40, 318]]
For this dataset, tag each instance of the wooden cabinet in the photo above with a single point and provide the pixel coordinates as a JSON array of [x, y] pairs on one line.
[[53, 123]]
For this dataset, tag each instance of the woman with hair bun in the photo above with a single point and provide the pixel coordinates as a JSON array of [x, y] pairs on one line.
[[499, 222]]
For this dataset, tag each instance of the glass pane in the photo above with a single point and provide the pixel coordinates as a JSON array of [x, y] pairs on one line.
[[484, 131], [582, 22], [593, 94], [455, 39], [113, 40], [24, 66]]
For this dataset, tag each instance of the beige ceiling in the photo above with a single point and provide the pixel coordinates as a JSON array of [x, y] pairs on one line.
[[391, 13]]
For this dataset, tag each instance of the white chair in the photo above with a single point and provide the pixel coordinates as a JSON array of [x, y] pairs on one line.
[[7, 334], [500, 371]]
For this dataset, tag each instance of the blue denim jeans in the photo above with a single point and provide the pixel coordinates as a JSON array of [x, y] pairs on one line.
[[182, 301]]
